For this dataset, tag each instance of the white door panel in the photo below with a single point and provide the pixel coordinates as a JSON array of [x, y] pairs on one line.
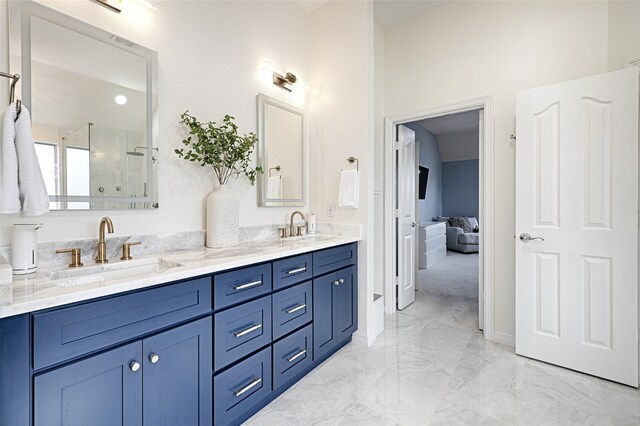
[[577, 187], [407, 226]]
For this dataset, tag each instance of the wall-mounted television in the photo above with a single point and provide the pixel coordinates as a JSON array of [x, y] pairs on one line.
[[423, 177]]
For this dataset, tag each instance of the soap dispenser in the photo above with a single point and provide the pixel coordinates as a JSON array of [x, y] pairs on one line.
[[24, 248]]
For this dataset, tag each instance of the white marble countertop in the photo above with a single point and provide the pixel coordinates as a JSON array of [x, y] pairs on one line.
[[38, 291]]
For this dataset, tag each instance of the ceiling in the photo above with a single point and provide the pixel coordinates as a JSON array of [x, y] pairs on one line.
[[388, 13], [452, 123]]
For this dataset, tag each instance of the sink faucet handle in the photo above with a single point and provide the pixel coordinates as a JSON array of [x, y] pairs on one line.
[[126, 250], [76, 256], [300, 227], [283, 232]]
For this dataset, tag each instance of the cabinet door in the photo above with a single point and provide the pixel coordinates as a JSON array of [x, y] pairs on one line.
[[346, 303], [177, 382], [100, 391], [324, 314]]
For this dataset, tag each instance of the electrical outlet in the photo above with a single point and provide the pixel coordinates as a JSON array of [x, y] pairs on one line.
[[331, 212]]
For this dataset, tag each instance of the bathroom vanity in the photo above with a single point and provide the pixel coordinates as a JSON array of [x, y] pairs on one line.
[[211, 341]]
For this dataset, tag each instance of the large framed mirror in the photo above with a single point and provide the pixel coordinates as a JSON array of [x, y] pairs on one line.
[[281, 153], [92, 96]]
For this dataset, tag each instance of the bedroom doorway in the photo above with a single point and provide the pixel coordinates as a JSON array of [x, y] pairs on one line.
[[396, 173], [447, 152]]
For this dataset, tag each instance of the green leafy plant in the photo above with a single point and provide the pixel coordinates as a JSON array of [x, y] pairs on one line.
[[219, 146]]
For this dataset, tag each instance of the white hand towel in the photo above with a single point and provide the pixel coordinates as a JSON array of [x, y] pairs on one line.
[[349, 189], [9, 192], [275, 188], [33, 193]]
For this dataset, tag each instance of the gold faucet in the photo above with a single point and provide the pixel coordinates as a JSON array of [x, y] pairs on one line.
[[291, 228], [102, 245]]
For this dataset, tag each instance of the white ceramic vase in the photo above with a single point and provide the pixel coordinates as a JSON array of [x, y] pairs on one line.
[[222, 218]]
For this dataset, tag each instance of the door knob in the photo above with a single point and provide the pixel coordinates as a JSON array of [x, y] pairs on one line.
[[414, 224], [134, 366], [525, 237], [154, 358]]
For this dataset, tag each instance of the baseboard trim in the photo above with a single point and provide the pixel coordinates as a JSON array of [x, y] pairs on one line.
[[360, 338], [504, 338]]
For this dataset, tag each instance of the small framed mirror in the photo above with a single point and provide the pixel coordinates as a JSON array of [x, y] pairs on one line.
[[281, 153], [92, 96]]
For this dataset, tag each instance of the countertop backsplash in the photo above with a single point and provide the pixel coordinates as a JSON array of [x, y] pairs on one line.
[[162, 243]]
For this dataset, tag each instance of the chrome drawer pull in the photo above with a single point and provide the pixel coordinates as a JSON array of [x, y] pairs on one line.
[[247, 285], [248, 330], [295, 271], [296, 356], [297, 308], [248, 387]]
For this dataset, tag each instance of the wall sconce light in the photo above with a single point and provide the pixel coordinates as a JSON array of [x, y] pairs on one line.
[[112, 5], [283, 79]]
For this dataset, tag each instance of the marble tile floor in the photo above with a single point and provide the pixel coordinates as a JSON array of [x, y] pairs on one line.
[[432, 367]]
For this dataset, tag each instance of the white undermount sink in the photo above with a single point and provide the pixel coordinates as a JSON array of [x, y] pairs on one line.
[[99, 273]]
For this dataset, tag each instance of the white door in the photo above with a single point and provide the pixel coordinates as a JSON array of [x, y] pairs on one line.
[[577, 191], [407, 226], [481, 219]]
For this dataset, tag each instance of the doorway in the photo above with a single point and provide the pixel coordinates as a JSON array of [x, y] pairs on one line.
[[394, 173]]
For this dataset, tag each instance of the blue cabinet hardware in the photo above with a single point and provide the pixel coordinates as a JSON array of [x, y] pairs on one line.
[[208, 350]]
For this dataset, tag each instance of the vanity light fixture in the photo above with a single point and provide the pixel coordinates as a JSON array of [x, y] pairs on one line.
[[121, 99], [283, 79], [112, 5]]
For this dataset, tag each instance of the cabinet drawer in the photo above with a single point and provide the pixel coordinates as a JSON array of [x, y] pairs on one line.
[[435, 230], [291, 356], [242, 386], [233, 287], [241, 330], [334, 258], [292, 308], [292, 270], [67, 333], [437, 241]]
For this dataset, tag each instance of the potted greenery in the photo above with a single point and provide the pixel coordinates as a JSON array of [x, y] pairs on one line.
[[220, 147]]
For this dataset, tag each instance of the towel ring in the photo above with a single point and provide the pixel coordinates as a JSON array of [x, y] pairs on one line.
[[351, 160], [276, 168]]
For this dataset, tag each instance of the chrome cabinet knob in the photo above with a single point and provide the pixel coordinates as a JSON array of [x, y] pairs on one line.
[[154, 358], [341, 281], [134, 366], [526, 237], [336, 282]]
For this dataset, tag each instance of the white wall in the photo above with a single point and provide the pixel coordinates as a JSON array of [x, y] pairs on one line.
[[210, 56], [378, 183], [341, 125], [472, 49]]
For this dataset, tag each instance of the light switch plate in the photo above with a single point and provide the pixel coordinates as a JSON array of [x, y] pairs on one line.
[[331, 212]]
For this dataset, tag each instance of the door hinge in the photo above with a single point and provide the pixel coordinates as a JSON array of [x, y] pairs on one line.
[[397, 281], [396, 212], [397, 145]]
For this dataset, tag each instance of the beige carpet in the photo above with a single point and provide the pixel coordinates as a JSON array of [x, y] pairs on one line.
[[449, 290]]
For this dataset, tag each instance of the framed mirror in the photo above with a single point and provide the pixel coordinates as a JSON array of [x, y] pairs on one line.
[[281, 153], [92, 96]]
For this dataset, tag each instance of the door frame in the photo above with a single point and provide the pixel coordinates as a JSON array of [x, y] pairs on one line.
[[486, 221]]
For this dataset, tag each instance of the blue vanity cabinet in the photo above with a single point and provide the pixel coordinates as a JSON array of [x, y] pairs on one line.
[[177, 371], [164, 379], [101, 391], [210, 350], [335, 309]]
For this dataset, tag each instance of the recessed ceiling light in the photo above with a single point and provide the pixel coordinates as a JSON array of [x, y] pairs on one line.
[[121, 99]]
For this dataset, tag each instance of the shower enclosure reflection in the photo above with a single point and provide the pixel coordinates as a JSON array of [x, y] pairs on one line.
[[95, 160]]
